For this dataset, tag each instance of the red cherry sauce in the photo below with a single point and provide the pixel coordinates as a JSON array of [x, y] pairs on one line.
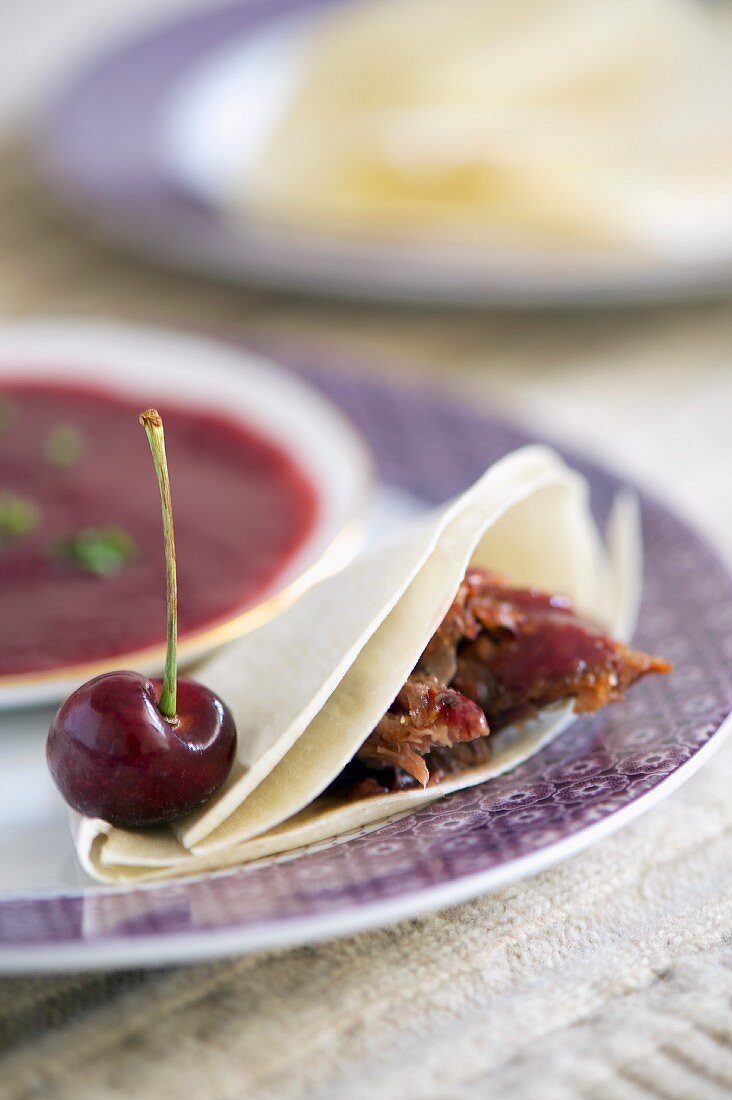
[[242, 510]]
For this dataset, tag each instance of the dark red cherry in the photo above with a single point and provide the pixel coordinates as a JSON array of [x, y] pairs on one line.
[[113, 755], [135, 751]]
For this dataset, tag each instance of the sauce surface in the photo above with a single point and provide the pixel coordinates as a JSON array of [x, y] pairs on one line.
[[242, 509]]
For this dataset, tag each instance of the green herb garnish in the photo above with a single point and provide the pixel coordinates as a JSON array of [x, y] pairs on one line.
[[103, 551], [18, 516], [64, 446]]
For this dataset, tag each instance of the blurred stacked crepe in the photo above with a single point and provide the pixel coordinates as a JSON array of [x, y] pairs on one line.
[[571, 122]]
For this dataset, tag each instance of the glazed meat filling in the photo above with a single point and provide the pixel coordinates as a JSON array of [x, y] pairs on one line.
[[500, 654]]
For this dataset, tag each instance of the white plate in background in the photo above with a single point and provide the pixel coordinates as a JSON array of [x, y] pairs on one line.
[[142, 145]]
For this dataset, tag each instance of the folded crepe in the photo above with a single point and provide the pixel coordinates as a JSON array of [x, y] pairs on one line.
[[561, 123], [324, 684]]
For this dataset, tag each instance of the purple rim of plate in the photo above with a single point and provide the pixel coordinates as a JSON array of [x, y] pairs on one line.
[[600, 772], [99, 150]]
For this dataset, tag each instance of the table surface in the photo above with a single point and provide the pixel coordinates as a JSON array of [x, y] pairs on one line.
[[608, 977]]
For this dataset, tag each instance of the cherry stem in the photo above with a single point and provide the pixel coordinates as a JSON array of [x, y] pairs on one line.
[[153, 424]]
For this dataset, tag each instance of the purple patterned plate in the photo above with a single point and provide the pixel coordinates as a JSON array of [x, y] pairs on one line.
[[600, 774], [140, 144]]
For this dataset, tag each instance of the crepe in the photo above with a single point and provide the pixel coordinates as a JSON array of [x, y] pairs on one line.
[[307, 688], [600, 123]]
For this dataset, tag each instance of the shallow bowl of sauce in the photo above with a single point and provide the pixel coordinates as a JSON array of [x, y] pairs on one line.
[[270, 487]]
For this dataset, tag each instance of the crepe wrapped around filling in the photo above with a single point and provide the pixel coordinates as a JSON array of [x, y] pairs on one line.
[[500, 654], [413, 650]]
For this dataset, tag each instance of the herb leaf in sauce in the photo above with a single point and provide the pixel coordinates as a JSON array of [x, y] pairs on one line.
[[18, 516], [64, 446], [103, 551]]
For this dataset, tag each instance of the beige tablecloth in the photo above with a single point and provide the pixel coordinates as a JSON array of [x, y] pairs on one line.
[[609, 977]]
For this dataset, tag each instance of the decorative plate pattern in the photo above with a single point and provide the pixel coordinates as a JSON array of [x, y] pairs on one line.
[[598, 774]]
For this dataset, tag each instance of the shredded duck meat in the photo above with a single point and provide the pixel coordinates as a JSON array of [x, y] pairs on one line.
[[425, 715], [500, 654]]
